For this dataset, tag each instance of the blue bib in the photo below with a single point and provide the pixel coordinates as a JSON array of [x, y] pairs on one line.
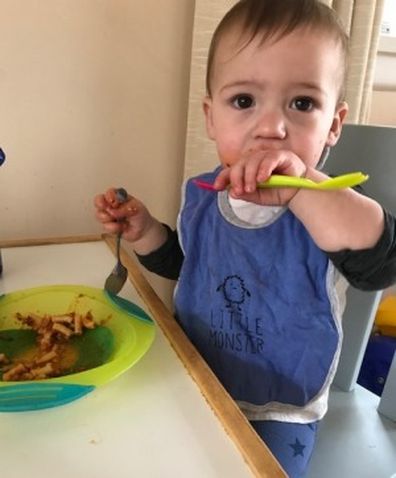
[[254, 302]]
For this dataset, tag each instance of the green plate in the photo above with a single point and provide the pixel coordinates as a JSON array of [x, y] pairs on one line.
[[123, 335]]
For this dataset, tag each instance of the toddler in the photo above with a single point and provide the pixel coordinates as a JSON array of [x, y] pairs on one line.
[[262, 272]]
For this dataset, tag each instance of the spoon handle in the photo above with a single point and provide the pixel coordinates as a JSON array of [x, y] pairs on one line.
[[344, 181], [339, 182], [122, 196], [281, 181]]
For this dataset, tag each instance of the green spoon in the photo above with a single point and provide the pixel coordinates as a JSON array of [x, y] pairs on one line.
[[279, 181], [338, 182]]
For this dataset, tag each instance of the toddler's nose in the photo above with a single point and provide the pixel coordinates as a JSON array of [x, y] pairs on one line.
[[270, 124]]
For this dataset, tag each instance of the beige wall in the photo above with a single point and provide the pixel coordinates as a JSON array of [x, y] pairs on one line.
[[93, 93], [383, 108]]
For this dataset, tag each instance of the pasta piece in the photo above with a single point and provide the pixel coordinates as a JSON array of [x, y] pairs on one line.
[[65, 319], [78, 325], [62, 329], [3, 359], [47, 357], [88, 321]]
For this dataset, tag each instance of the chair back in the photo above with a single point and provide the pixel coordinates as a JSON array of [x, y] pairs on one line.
[[372, 150]]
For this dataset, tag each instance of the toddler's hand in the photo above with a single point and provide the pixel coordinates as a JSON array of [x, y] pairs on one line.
[[130, 217], [257, 166]]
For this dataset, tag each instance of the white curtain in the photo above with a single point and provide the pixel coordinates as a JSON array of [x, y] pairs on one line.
[[200, 152], [362, 21]]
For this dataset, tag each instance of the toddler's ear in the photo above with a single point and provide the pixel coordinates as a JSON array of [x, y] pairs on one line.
[[207, 107], [336, 126]]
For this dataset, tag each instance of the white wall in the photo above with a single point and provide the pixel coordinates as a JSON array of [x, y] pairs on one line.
[[383, 108]]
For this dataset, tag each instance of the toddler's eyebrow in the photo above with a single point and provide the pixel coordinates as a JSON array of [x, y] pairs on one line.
[[309, 86], [306, 85], [240, 84]]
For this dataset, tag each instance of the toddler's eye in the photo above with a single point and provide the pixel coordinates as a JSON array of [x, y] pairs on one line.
[[303, 103], [242, 102]]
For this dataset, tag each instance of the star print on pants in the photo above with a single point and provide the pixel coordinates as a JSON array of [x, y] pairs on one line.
[[298, 448]]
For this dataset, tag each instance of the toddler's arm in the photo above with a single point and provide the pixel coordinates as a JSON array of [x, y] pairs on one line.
[[337, 220]]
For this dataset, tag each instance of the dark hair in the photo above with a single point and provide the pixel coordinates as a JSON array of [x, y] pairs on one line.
[[275, 19]]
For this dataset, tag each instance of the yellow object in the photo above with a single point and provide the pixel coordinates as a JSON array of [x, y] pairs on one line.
[[338, 182], [385, 319]]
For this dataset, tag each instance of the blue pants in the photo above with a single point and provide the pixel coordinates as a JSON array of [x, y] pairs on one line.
[[291, 443]]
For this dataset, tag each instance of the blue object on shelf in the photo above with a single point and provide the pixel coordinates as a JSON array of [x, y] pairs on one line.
[[376, 363]]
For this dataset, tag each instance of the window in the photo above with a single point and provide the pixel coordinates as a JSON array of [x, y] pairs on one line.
[[388, 25], [388, 28]]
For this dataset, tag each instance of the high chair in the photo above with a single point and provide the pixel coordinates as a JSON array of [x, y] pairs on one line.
[[354, 439]]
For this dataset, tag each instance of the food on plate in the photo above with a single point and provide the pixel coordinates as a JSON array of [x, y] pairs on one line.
[[53, 353]]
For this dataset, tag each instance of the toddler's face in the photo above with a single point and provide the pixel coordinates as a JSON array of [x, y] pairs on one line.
[[281, 95]]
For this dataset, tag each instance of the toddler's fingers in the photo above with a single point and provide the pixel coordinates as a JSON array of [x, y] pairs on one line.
[[237, 178], [100, 202], [103, 217], [112, 198], [222, 180], [265, 171], [259, 167], [110, 195], [252, 168], [113, 227], [128, 209]]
